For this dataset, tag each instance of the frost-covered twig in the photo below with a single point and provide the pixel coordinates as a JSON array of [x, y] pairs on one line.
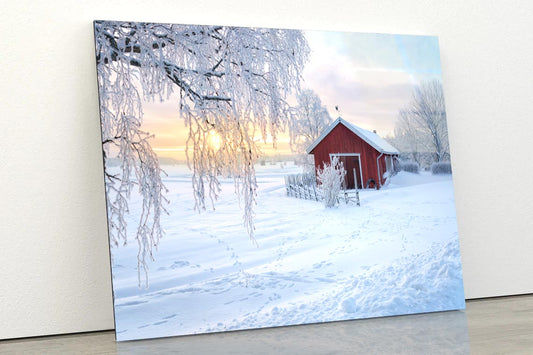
[[422, 125], [231, 83], [331, 178]]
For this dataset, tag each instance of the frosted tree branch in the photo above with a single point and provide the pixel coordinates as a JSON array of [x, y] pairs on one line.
[[422, 125], [231, 83]]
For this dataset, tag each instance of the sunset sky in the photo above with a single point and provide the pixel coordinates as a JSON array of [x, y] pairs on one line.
[[370, 77]]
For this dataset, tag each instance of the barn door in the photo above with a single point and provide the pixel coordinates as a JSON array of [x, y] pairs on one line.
[[350, 163], [348, 180]]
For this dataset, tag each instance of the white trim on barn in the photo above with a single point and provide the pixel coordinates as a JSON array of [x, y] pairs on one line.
[[388, 164], [358, 155], [371, 138]]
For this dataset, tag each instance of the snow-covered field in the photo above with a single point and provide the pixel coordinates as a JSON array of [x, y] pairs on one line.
[[397, 253]]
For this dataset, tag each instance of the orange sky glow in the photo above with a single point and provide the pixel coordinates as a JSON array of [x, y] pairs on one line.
[[370, 77]]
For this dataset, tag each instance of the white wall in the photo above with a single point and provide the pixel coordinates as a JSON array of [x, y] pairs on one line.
[[55, 274]]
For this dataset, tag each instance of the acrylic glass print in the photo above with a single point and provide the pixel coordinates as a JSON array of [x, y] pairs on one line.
[[262, 177]]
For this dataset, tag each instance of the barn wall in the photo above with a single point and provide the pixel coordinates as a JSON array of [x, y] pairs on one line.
[[342, 140]]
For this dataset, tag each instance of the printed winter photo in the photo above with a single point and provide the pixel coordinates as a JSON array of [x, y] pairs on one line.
[[262, 177]]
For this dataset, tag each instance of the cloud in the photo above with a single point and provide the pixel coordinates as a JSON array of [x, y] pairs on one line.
[[369, 76]]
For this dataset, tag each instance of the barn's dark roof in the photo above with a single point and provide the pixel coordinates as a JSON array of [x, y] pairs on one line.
[[371, 138]]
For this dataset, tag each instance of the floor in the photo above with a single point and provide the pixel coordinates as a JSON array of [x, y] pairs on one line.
[[488, 326]]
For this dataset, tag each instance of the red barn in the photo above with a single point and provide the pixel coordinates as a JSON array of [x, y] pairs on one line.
[[367, 158]]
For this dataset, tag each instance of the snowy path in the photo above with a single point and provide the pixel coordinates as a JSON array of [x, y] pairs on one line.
[[397, 253]]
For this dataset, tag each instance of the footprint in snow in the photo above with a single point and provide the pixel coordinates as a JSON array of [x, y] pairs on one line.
[[132, 303], [179, 264], [318, 265]]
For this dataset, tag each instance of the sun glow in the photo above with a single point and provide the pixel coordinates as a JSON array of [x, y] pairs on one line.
[[214, 140]]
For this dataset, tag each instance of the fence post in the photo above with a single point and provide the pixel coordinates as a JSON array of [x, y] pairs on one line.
[[299, 187], [306, 187], [291, 186]]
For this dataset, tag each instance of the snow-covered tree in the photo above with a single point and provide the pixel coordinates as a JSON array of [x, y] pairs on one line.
[[408, 137], [310, 119], [422, 126], [230, 82], [331, 178]]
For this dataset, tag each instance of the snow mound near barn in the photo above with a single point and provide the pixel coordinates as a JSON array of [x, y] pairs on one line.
[[404, 178]]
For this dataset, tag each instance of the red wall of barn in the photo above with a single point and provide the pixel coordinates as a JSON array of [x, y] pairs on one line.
[[342, 140]]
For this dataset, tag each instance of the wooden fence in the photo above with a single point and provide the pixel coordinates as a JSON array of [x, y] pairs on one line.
[[302, 186]]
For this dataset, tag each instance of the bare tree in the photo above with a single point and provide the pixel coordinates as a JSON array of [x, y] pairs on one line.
[[422, 126], [231, 82]]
